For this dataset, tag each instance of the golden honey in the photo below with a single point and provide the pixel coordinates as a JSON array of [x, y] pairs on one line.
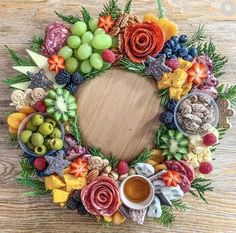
[[136, 189]]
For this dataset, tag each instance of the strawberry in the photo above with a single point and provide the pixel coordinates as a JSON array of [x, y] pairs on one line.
[[172, 178], [197, 73], [105, 22], [40, 106], [122, 167], [40, 163], [108, 56], [209, 139], [79, 168], [56, 63], [205, 167]]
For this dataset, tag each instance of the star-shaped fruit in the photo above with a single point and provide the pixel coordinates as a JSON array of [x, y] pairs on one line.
[[56, 164], [156, 67], [39, 80], [105, 22]]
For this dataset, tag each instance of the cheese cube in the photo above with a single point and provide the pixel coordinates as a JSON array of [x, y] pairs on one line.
[[60, 196], [74, 183], [53, 182]]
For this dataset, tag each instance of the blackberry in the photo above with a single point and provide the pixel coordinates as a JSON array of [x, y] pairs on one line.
[[77, 78], [72, 88], [81, 209], [62, 78], [172, 125], [71, 204], [76, 196], [170, 106], [166, 117]]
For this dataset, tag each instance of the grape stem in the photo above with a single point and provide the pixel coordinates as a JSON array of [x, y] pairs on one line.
[[160, 9]]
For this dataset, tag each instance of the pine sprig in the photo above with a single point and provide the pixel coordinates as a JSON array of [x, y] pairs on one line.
[[20, 60], [86, 15], [227, 92], [132, 66], [208, 48], [179, 205], [111, 8], [71, 19], [37, 186], [27, 169], [128, 7], [167, 218], [75, 130], [95, 72], [160, 9], [158, 133], [37, 43], [200, 186], [19, 78], [142, 157], [164, 95], [198, 37], [13, 140]]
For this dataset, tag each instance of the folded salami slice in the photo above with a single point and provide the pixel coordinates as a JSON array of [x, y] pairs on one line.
[[185, 184], [189, 170]]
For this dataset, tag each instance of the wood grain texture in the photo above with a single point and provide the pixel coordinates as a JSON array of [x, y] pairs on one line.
[[19, 214]]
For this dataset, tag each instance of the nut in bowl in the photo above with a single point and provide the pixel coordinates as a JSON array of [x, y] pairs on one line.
[[196, 114], [136, 192], [40, 135]]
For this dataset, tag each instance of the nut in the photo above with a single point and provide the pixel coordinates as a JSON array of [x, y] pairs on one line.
[[92, 175], [107, 169], [114, 31], [132, 171], [104, 174], [114, 175]]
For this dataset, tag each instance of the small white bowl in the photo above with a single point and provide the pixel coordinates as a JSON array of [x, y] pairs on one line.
[[140, 205]]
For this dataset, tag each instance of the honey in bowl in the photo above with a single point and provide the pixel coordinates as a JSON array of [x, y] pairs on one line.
[[136, 189]]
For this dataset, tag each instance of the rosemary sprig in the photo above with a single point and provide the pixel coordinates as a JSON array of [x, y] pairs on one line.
[[38, 188], [19, 78], [132, 66], [95, 72], [167, 218], [75, 131], [208, 48], [160, 9], [145, 155], [158, 133], [13, 140], [71, 19], [198, 37], [227, 92], [128, 7], [20, 60], [179, 205], [111, 8], [27, 169], [200, 186], [164, 95], [37, 43], [86, 15]]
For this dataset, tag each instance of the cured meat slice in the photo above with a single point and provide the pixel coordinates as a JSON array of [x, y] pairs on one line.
[[188, 170], [176, 166], [185, 184]]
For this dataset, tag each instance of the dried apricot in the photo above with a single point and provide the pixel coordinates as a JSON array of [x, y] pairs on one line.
[[14, 120], [11, 130], [27, 110]]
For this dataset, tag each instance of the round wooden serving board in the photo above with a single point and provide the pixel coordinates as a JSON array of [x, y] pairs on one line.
[[118, 113]]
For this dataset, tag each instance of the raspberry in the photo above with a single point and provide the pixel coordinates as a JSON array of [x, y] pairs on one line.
[[205, 167], [166, 117], [71, 204], [81, 209], [62, 78], [173, 64], [72, 88], [77, 78], [108, 56], [40, 106], [209, 139], [170, 106], [122, 167], [40, 163]]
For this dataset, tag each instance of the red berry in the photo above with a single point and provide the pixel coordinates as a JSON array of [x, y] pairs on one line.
[[40, 106], [122, 167], [108, 56], [209, 139], [173, 64], [40, 163], [205, 167]]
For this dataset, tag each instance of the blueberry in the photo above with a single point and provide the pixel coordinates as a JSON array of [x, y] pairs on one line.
[[183, 39], [40, 173], [188, 58], [167, 44], [183, 52], [175, 49], [193, 52], [169, 55], [175, 39], [167, 50]]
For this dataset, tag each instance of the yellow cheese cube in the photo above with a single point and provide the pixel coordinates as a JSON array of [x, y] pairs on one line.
[[74, 183], [186, 88], [67, 170], [59, 196], [53, 182], [184, 65], [164, 82], [175, 93], [178, 78]]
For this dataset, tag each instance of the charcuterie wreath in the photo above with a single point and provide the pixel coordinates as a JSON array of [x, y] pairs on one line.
[[196, 115]]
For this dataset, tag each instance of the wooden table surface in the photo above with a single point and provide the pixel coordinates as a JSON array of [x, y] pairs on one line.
[[116, 127]]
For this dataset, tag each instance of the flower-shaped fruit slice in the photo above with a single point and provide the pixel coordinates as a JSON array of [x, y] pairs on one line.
[[172, 178], [197, 73], [105, 22], [56, 63], [79, 168]]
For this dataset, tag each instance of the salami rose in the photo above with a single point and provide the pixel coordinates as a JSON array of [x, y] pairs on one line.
[[101, 197], [141, 40]]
